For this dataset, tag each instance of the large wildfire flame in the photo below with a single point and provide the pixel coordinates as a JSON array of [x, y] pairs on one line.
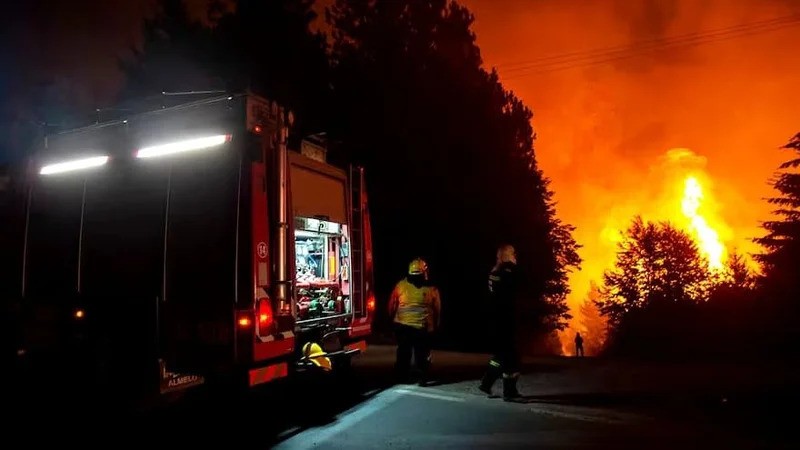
[[677, 189], [706, 237], [604, 122]]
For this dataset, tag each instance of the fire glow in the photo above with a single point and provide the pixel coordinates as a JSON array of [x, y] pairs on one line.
[[678, 189], [705, 236]]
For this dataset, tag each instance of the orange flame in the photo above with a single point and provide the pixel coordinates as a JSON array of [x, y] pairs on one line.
[[677, 189], [706, 237]]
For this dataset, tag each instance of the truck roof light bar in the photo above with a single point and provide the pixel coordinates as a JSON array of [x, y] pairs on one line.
[[183, 146], [73, 165]]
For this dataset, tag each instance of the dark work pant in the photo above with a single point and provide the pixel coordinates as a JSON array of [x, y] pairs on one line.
[[412, 339], [578, 350], [506, 356]]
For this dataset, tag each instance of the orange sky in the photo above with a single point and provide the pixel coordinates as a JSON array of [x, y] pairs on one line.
[[603, 130]]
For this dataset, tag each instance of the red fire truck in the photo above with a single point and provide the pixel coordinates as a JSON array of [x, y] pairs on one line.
[[187, 244]]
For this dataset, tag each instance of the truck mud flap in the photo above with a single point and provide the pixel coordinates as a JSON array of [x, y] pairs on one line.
[[172, 381]]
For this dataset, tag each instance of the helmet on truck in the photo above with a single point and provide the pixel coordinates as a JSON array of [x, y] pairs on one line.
[[315, 355]]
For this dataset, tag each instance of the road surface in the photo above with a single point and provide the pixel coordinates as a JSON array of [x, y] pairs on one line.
[[571, 404], [414, 417]]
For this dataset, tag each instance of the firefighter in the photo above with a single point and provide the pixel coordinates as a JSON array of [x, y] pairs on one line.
[[503, 290], [415, 308]]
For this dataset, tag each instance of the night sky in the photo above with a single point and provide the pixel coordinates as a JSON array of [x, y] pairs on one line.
[[599, 126]]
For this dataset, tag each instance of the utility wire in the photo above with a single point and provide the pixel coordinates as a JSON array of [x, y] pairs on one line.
[[599, 56], [650, 42]]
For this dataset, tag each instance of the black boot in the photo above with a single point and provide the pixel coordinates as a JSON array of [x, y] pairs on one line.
[[491, 375], [510, 388]]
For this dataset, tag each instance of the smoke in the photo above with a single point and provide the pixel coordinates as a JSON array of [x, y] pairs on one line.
[[615, 85]]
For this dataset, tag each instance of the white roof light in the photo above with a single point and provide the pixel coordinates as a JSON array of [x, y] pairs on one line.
[[183, 146], [77, 164]]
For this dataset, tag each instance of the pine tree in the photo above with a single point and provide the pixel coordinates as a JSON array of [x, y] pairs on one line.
[[782, 241], [451, 156], [781, 259]]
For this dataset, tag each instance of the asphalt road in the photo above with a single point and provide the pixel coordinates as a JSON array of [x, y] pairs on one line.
[[570, 403]]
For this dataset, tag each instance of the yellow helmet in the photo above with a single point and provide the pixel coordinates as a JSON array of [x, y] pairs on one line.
[[418, 267], [313, 352]]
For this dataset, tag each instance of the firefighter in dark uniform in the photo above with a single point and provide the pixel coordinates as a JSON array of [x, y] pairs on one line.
[[415, 308], [503, 290]]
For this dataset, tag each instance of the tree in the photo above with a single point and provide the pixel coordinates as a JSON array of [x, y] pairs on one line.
[[450, 157], [449, 153], [779, 284], [267, 47], [174, 56], [738, 273], [657, 265], [781, 259]]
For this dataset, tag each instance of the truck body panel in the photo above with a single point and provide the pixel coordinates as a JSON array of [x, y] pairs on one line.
[[167, 265]]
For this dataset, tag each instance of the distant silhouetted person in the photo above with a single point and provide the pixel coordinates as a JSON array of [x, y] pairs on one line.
[[578, 344]]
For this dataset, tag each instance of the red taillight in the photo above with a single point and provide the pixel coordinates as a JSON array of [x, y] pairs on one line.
[[265, 315], [371, 303]]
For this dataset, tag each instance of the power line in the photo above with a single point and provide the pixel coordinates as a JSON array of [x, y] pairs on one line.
[[625, 56], [648, 43], [603, 55]]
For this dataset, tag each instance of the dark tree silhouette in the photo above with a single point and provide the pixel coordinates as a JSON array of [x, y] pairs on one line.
[[781, 260], [738, 273], [657, 265], [449, 152], [174, 56], [451, 157], [267, 47], [782, 241]]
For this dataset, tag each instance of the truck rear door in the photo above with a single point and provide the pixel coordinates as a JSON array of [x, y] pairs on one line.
[[200, 260], [120, 282]]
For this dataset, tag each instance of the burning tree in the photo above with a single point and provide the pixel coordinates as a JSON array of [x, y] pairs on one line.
[[657, 266]]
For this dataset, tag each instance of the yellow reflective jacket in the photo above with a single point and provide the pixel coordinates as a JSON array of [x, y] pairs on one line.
[[418, 307]]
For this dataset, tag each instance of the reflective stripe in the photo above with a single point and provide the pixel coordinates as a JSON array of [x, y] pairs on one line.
[[494, 363], [267, 374], [511, 375]]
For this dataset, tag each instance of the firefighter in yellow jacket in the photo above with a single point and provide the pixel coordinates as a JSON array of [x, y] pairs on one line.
[[415, 307]]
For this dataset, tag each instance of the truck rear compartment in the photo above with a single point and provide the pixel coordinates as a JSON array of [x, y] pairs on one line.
[[134, 264], [139, 270]]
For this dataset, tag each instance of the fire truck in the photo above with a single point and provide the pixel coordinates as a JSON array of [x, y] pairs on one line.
[[186, 244]]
